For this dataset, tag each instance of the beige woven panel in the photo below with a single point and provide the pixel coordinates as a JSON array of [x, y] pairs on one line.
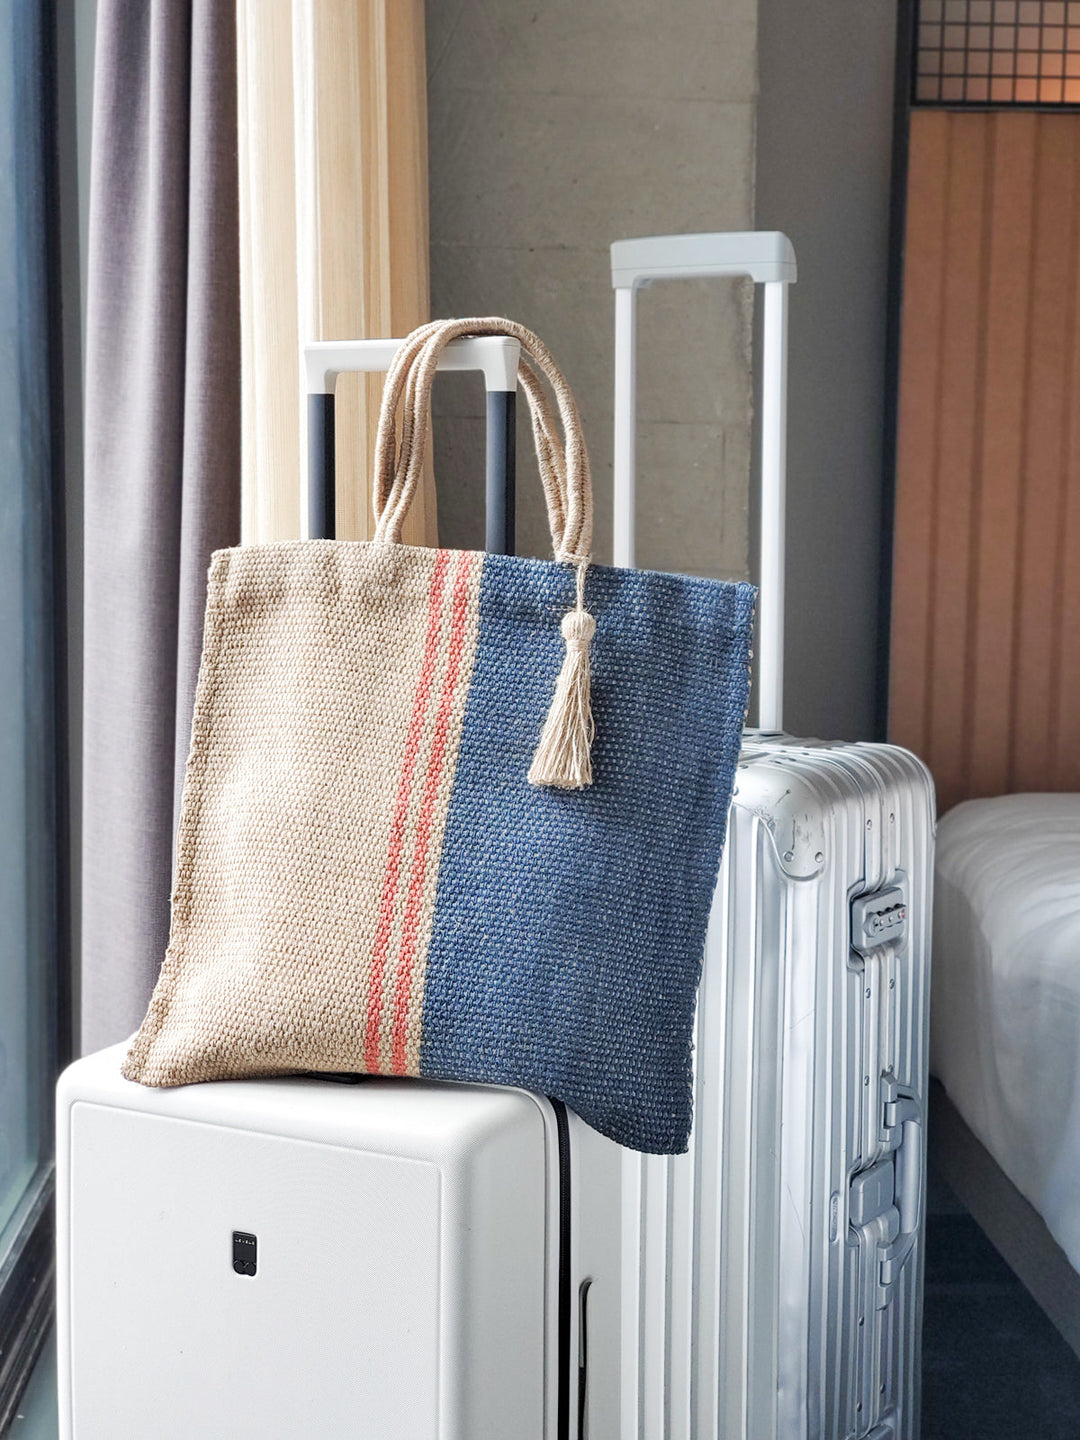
[[327, 724]]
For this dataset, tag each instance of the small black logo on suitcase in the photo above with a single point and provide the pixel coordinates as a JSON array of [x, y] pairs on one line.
[[245, 1252]]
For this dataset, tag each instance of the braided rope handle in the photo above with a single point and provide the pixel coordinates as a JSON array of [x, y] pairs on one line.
[[563, 463]]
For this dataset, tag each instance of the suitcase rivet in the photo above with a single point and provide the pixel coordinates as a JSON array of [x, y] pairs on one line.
[[789, 854], [865, 1081], [869, 824], [892, 819], [868, 994], [892, 984], [819, 857]]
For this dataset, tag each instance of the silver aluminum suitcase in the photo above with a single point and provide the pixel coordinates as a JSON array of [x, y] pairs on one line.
[[772, 1277]]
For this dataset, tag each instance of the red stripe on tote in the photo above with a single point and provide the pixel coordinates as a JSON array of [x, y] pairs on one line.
[[401, 810], [411, 925]]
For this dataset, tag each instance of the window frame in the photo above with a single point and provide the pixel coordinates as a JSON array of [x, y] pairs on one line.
[[27, 1270], [1020, 26]]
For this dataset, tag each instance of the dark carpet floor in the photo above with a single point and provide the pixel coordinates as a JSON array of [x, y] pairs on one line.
[[994, 1368]]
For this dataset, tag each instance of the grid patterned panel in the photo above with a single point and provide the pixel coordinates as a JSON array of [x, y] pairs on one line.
[[998, 52]]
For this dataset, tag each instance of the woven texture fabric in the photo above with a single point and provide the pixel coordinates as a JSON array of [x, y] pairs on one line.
[[450, 814], [368, 882], [570, 925]]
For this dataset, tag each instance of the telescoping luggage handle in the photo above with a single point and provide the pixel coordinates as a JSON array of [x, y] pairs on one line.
[[768, 258], [495, 356]]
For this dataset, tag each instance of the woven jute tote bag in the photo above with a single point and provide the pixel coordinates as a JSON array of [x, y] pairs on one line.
[[451, 814]]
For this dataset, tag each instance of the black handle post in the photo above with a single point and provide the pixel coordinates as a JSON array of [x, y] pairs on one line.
[[322, 518], [501, 472]]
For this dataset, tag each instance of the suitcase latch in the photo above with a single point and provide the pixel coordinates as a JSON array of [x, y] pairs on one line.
[[885, 1201], [899, 1106]]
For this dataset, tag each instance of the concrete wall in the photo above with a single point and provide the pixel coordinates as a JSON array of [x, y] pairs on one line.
[[554, 129], [823, 175]]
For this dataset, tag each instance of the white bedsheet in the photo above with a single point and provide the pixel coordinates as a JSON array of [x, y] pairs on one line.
[[1005, 1011]]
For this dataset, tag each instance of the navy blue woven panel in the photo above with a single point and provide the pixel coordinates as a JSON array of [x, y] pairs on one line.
[[570, 925]]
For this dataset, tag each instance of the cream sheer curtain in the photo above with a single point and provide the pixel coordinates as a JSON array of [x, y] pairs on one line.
[[333, 234]]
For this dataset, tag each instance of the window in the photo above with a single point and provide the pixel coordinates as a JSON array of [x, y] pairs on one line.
[[997, 52], [31, 812]]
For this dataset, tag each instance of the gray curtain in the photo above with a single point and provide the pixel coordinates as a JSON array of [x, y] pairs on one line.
[[162, 459]]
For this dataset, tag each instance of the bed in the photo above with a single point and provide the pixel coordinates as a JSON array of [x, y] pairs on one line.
[[1005, 1032]]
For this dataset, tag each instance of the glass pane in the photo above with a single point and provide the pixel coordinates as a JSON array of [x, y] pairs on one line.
[[997, 41], [27, 825]]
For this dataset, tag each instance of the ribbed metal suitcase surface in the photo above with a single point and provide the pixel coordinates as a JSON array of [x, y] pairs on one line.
[[772, 1276]]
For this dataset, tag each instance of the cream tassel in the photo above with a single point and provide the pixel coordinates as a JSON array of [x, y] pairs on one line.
[[563, 756]]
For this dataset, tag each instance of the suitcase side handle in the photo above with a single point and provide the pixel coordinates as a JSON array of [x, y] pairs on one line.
[[768, 258], [494, 356]]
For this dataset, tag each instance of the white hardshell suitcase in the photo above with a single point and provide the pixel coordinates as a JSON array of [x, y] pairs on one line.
[[310, 1259], [772, 1277], [299, 1259]]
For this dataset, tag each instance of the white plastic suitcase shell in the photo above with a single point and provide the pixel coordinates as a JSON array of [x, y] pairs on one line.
[[407, 1269], [772, 1277]]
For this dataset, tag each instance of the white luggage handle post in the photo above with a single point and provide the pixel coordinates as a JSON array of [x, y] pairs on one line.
[[768, 258], [495, 356]]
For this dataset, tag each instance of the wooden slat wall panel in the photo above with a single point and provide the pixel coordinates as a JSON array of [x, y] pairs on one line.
[[1037, 615], [1066, 686], [985, 677], [959, 393], [917, 423], [996, 514]]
